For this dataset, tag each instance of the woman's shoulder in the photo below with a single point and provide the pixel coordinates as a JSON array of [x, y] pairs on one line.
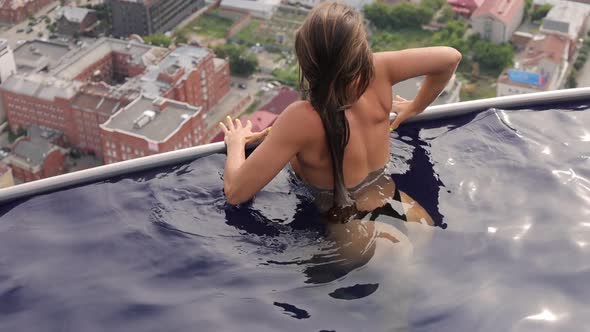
[[299, 119], [301, 113]]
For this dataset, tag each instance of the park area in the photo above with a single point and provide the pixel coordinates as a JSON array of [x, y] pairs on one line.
[[209, 29]]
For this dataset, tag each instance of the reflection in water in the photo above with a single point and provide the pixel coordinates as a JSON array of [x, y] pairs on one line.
[[161, 250]]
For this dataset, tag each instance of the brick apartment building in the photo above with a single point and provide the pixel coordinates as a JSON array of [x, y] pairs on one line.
[[76, 92], [75, 20], [148, 126], [146, 17], [35, 159], [497, 20], [15, 11]]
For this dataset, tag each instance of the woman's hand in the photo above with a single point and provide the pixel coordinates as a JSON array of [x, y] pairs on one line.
[[238, 135], [403, 109]]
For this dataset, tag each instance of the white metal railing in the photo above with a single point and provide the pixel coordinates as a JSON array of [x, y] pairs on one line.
[[174, 157]]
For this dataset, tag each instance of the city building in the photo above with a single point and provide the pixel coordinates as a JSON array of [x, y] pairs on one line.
[[34, 159], [279, 100], [75, 20], [146, 17], [465, 8], [567, 19], [35, 56], [537, 3], [261, 9], [148, 126], [7, 63], [408, 89], [7, 68], [540, 66], [6, 179], [16, 11], [496, 20], [80, 90]]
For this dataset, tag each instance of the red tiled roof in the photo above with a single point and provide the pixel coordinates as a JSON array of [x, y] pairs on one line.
[[284, 98], [260, 121], [550, 47], [468, 4], [503, 10]]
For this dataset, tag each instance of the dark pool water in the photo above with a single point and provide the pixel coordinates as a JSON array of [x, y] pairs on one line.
[[161, 251]]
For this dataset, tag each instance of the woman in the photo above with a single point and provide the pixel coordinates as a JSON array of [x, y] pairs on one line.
[[337, 138]]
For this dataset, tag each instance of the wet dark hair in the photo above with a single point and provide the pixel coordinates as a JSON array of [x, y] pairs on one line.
[[336, 67]]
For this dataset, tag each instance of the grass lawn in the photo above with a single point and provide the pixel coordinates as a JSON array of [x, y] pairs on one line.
[[401, 39], [288, 76], [251, 34], [210, 24]]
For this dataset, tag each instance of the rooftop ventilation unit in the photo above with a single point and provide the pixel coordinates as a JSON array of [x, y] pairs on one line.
[[146, 117]]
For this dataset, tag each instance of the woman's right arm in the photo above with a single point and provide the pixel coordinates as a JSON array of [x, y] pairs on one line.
[[436, 63]]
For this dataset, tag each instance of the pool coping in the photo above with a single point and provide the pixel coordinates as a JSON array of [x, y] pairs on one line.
[[179, 156]]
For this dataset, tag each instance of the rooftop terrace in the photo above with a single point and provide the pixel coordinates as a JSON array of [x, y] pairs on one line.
[[144, 118]]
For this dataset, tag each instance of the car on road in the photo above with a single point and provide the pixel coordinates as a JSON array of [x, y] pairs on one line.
[[20, 30], [242, 86], [29, 30], [3, 154]]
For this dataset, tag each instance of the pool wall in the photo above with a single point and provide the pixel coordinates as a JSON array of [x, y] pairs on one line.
[[174, 157]]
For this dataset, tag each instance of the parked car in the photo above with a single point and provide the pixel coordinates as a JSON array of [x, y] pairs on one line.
[[29, 30]]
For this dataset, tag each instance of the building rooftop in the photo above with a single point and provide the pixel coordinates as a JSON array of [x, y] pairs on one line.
[[73, 14], [141, 54], [549, 47], [96, 103], [31, 152], [144, 118], [566, 17], [35, 55], [261, 120], [503, 10], [13, 4], [43, 134], [542, 84], [284, 97], [183, 58], [41, 86]]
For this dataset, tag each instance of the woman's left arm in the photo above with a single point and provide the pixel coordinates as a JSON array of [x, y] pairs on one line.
[[243, 178]]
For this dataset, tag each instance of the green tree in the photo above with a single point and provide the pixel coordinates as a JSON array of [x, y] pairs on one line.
[[491, 56], [571, 80], [452, 35], [540, 12], [401, 16], [181, 38], [378, 13], [527, 7], [158, 39], [241, 62], [446, 14]]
